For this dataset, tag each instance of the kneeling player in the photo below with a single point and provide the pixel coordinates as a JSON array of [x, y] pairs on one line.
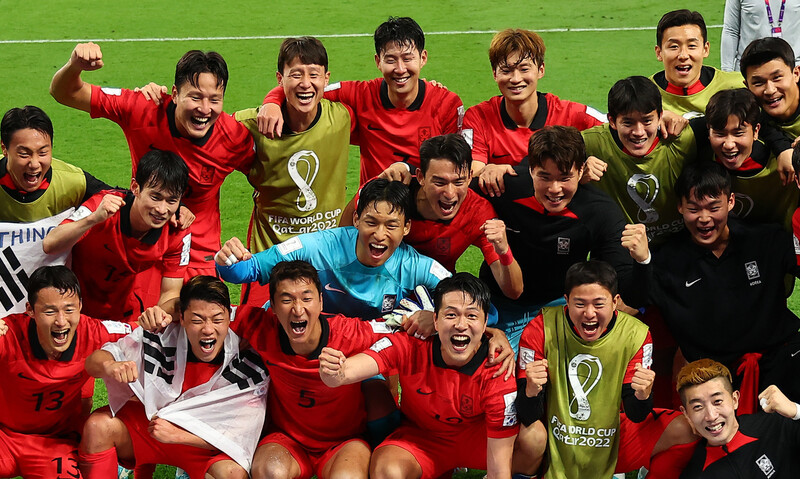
[[456, 413], [201, 400]]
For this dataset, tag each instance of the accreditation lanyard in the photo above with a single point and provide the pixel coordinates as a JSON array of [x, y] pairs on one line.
[[776, 31]]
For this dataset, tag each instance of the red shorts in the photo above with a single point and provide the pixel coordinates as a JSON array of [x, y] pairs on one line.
[[438, 454], [254, 294], [637, 440], [34, 457], [146, 450], [310, 462]]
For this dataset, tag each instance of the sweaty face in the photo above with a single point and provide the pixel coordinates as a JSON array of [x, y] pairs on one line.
[[297, 304], [442, 190], [682, 51], [775, 86], [460, 324], [591, 308], [206, 326], [29, 156], [518, 78], [734, 143], [400, 66], [637, 131], [380, 230], [706, 219], [303, 85], [711, 410], [553, 188], [197, 107], [154, 206], [56, 315]]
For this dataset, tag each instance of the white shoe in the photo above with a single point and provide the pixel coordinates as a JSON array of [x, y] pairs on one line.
[[123, 473]]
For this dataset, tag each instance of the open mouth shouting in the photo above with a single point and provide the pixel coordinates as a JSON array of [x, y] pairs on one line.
[[299, 327], [448, 208], [460, 342], [60, 336], [207, 345], [376, 251], [305, 98], [590, 329]]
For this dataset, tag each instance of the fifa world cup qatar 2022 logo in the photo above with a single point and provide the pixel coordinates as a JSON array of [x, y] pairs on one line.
[[303, 168], [584, 372], [643, 189]]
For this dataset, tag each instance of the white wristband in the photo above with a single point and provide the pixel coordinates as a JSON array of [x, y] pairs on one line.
[[796, 414]]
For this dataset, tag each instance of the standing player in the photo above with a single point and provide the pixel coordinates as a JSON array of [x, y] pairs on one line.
[[457, 414], [190, 123], [43, 354], [394, 114], [685, 83], [299, 178], [498, 130], [200, 395], [754, 445], [117, 235]]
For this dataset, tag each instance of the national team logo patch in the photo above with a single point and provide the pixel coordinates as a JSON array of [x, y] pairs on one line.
[[207, 174], [526, 355], [292, 244], [562, 245], [381, 344], [443, 246], [465, 406], [510, 411], [388, 302], [186, 249], [796, 245], [752, 270], [424, 133], [765, 465]]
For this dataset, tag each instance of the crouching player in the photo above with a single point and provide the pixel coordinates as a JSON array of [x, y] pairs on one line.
[[201, 400], [42, 353], [456, 413]]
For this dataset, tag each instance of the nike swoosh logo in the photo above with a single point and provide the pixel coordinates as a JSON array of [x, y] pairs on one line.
[[374, 128], [420, 391], [693, 282], [25, 377], [328, 287], [795, 353], [500, 156]]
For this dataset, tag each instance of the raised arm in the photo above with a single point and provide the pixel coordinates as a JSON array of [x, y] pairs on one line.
[[101, 364], [506, 270], [337, 370], [65, 235], [67, 87]]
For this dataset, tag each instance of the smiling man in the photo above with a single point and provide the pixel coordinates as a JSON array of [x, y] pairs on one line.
[[189, 122], [117, 235], [459, 415], [754, 445]]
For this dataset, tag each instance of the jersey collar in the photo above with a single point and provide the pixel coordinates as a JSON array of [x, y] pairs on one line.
[[414, 106], [539, 119], [715, 453], [532, 203], [286, 346], [19, 195], [749, 167], [151, 237], [615, 135], [469, 369], [706, 76], [38, 351], [173, 128], [285, 114]]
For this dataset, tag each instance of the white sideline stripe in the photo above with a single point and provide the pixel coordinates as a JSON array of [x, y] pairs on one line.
[[336, 35]]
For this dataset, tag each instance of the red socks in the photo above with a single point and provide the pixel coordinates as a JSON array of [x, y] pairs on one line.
[[100, 465]]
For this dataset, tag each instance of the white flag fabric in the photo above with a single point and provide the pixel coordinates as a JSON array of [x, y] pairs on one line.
[[20, 255], [227, 411]]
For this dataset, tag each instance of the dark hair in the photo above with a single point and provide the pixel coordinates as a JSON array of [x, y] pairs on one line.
[[31, 117], [634, 94], [700, 372], [205, 288], [58, 277], [765, 50], [309, 50], [195, 62], [451, 147], [163, 169], [403, 31], [738, 102], [380, 189], [591, 272], [707, 179], [563, 145], [678, 18], [293, 270], [796, 159], [467, 284], [526, 43]]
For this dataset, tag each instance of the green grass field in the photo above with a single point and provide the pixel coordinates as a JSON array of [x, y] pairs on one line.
[[142, 41]]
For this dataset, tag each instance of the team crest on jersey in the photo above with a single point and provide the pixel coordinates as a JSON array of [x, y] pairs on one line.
[[765, 465], [388, 302], [424, 133], [465, 406], [752, 270], [443, 246], [207, 174], [583, 372], [562, 245]]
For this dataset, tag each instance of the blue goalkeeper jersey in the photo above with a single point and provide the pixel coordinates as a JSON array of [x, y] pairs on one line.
[[348, 287]]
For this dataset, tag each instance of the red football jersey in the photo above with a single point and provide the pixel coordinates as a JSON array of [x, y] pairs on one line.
[[496, 139], [107, 259], [385, 133], [443, 400], [533, 338], [299, 403], [226, 147], [446, 241], [41, 395]]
